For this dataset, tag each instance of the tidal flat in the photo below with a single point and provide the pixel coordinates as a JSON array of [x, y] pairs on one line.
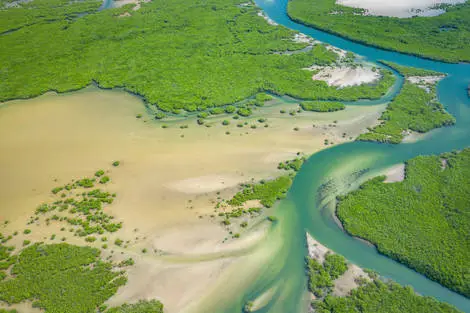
[[167, 183]]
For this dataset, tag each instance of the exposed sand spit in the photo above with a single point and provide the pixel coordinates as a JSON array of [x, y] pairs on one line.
[[399, 8], [316, 250]]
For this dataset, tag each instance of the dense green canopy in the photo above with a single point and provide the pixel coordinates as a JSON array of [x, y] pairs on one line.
[[423, 221], [444, 37], [382, 297], [61, 278], [176, 54]]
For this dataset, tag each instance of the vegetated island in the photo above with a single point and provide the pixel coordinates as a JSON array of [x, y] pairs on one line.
[[177, 55], [253, 200], [415, 108], [341, 287], [444, 37], [422, 221]]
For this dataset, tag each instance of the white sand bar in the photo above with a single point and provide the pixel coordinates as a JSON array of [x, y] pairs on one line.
[[347, 76], [399, 8]]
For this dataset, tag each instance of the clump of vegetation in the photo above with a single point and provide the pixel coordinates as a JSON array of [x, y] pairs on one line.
[[90, 239], [321, 276], [127, 262], [248, 306], [437, 37], [294, 164], [61, 278], [86, 182], [244, 112], [322, 106], [263, 97], [272, 218], [435, 197], [98, 173], [116, 163], [84, 210], [104, 179], [266, 191]]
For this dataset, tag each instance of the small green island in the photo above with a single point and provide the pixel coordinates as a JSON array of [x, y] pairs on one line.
[[416, 108]]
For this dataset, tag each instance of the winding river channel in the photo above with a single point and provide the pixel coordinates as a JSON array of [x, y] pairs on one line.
[[310, 203]]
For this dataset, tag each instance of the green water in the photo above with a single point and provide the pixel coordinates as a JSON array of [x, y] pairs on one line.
[[337, 170]]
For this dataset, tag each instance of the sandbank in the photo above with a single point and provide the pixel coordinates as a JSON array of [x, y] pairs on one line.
[[395, 173], [399, 8]]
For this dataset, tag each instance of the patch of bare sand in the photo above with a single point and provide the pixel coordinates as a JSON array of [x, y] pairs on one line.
[[345, 76], [49, 140], [21, 307], [263, 299], [399, 8], [207, 183], [348, 281], [395, 173]]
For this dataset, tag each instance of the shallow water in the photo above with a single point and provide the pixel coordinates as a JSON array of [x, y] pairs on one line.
[[308, 206]]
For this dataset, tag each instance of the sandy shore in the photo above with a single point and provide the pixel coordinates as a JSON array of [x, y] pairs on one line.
[[399, 8], [167, 184]]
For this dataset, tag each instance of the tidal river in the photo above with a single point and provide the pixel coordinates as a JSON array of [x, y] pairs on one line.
[[308, 206]]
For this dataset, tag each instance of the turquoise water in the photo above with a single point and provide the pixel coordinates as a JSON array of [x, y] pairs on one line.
[[342, 168]]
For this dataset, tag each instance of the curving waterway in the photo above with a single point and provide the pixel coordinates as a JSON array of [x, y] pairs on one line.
[[310, 203]]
